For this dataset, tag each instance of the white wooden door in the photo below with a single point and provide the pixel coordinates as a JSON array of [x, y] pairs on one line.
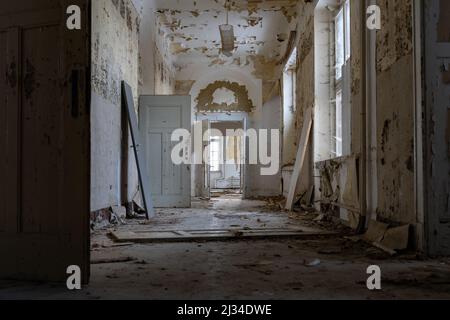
[[44, 140], [159, 117]]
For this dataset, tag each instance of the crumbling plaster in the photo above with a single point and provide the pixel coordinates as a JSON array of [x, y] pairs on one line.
[[395, 149], [115, 56], [395, 110], [305, 96], [260, 27]]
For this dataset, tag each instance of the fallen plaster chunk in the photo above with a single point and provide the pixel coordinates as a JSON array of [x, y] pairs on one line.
[[396, 238], [376, 231], [385, 249], [112, 260]]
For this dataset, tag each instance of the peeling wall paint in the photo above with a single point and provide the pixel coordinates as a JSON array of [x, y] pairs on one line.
[[183, 87], [115, 57], [394, 40], [271, 89], [265, 69], [114, 49], [395, 124], [395, 110], [164, 74], [356, 74], [305, 94]]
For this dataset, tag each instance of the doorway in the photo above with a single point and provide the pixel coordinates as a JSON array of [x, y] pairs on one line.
[[226, 165]]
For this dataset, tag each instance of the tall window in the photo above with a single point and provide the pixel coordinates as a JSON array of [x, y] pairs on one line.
[[342, 56], [289, 82], [215, 149]]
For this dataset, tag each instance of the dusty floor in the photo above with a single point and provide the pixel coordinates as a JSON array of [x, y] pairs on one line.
[[322, 268]]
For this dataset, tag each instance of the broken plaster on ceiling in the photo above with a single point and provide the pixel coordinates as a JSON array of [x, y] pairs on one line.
[[192, 31]]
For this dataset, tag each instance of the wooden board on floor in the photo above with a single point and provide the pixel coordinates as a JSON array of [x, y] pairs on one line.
[[300, 159], [213, 235]]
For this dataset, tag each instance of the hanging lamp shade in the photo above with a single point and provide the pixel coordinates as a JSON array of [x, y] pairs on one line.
[[227, 36]]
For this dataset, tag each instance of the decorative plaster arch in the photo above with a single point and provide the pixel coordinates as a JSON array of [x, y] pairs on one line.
[[205, 99], [229, 74]]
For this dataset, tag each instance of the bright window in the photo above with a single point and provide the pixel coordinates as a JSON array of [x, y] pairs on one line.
[[215, 153], [339, 124], [339, 44], [289, 82], [342, 59]]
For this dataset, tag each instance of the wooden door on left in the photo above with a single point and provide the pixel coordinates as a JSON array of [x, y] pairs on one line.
[[44, 140]]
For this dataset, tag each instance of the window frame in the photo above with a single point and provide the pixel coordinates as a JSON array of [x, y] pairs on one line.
[[343, 12]]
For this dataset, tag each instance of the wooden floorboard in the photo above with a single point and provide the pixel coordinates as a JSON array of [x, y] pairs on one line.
[[213, 235]]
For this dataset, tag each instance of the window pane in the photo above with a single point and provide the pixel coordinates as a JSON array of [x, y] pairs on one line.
[[347, 30], [339, 123], [214, 148], [339, 26], [289, 82]]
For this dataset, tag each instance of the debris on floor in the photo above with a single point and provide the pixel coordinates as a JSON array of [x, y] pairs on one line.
[[111, 260], [391, 240], [115, 215], [148, 236], [313, 263]]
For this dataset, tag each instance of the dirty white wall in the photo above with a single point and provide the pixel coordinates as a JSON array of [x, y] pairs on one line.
[[305, 96], [395, 113], [157, 74], [393, 120], [115, 55], [336, 177], [122, 49]]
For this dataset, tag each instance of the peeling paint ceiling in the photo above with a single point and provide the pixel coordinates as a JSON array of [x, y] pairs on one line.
[[191, 30]]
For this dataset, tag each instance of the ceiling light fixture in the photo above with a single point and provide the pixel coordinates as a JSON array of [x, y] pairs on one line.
[[227, 36]]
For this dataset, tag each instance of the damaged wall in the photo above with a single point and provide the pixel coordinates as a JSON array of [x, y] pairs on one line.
[[305, 98], [390, 130], [115, 55], [341, 173], [156, 71], [164, 74], [395, 113]]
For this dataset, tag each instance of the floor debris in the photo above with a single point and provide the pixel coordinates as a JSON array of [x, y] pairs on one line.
[[148, 236], [112, 260]]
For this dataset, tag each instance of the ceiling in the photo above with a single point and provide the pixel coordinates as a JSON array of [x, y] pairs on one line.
[[191, 30]]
